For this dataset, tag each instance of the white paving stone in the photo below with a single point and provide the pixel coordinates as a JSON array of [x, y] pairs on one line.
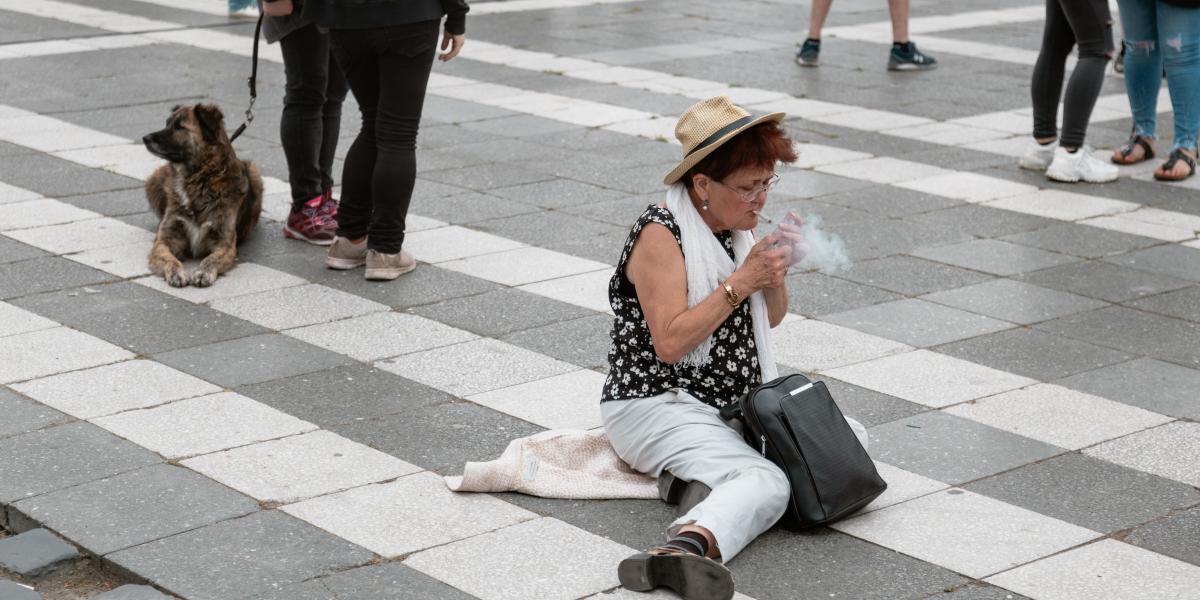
[[1169, 451], [123, 261], [114, 388], [970, 187], [1192, 244], [246, 278], [57, 350], [289, 307], [555, 562], [1058, 415], [902, 486], [867, 119], [1064, 206], [10, 194], [15, 320], [1135, 227], [79, 236], [1105, 569], [740, 96], [40, 213], [202, 425], [884, 169], [589, 290], [524, 265], [618, 75], [801, 107], [966, 532], [454, 242], [812, 345], [494, 364], [109, 156], [1007, 121], [299, 467], [381, 335], [1013, 146], [418, 223], [816, 155], [593, 114], [1166, 218], [47, 134], [929, 378], [945, 133], [410, 514], [651, 128], [567, 401]]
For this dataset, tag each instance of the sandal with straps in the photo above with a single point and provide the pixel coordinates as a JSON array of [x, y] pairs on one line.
[[1162, 173], [1126, 150]]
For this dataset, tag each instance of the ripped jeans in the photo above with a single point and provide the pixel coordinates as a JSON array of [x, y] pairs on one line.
[[1158, 37]]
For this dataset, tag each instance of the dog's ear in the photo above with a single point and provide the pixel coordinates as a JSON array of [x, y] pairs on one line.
[[211, 121]]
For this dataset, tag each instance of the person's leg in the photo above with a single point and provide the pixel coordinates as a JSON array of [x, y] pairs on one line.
[[331, 117], [301, 126], [1179, 41], [1091, 24], [1046, 85], [899, 13], [1143, 74], [360, 67], [816, 17]]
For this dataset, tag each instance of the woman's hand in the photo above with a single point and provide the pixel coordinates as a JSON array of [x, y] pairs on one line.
[[454, 43], [277, 8], [766, 264], [791, 235]]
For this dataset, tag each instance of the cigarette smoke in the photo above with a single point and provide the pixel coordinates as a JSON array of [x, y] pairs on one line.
[[826, 250]]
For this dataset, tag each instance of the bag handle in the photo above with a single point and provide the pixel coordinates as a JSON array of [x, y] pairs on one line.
[[731, 411]]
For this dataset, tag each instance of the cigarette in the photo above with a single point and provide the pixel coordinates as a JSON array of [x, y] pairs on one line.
[[763, 217]]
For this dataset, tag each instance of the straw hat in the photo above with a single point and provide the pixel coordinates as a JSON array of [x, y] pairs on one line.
[[708, 124]]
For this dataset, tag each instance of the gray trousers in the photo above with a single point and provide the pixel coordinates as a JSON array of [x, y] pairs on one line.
[[676, 432]]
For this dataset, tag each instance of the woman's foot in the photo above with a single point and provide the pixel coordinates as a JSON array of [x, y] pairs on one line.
[[1135, 150], [1080, 165], [691, 576], [1180, 165]]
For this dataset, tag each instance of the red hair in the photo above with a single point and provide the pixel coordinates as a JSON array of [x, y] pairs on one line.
[[759, 147]]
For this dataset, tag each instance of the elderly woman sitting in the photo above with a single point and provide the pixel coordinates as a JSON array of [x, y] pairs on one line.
[[694, 295]]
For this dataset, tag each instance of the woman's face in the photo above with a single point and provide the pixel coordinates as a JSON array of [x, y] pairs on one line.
[[736, 202]]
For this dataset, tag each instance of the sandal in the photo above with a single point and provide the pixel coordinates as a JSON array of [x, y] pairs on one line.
[[1132, 143], [1163, 173], [692, 577]]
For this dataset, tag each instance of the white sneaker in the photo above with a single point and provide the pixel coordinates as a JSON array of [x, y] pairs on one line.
[[249, 12], [1081, 165], [1037, 156]]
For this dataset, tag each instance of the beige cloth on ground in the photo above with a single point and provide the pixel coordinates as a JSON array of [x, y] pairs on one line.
[[560, 463]]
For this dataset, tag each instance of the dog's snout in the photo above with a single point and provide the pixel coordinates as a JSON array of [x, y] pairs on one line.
[[147, 139]]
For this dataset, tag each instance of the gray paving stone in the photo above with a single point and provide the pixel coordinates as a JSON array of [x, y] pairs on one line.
[[885, 237], [917, 323], [635, 523], [112, 204], [1154, 385], [1033, 353], [137, 317], [1172, 260], [501, 312], [952, 449], [1081, 240], [252, 359], [980, 221], [11, 590], [811, 184], [21, 414], [1089, 492], [1174, 536], [470, 207], [54, 177], [551, 229], [389, 581], [995, 257], [12, 251], [135, 507], [1183, 304], [486, 177], [44, 274], [132, 592], [978, 591], [890, 201], [815, 294], [240, 557], [66, 455], [1135, 331], [911, 276], [579, 139], [312, 589], [1014, 301], [500, 150], [583, 341], [443, 136], [34, 553], [598, 168], [869, 407], [451, 110], [1104, 281], [556, 194], [361, 392], [621, 212], [518, 126], [419, 435]]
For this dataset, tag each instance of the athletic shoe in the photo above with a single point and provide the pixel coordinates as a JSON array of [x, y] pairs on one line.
[[1080, 166], [311, 223], [345, 255], [912, 60], [248, 12], [385, 267], [330, 204], [1037, 156], [809, 53]]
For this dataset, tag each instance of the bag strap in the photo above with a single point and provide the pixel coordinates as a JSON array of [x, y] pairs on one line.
[[252, 81], [731, 411]]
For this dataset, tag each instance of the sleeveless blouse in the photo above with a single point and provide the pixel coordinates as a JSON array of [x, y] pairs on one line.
[[634, 369]]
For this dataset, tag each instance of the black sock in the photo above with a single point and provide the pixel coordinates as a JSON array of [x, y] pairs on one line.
[[904, 47], [690, 541], [816, 41]]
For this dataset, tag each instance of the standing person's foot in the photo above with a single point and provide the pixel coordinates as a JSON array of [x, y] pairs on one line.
[[312, 222], [1135, 150], [1070, 167], [330, 204], [386, 267], [1038, 156], [345, 255], [1180, 165], [906, 57], [692, 576], [809, 53]]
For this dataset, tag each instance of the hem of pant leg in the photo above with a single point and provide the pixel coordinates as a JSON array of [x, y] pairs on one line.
[[704, 522]]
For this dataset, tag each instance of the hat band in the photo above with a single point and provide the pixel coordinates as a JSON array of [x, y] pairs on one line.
[[722, 132]]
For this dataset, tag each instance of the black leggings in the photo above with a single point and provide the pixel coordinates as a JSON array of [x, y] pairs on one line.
[[312, 112], [388, 69], [1088, 24]]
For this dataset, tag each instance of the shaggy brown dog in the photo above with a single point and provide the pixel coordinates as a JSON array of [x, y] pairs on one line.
[[206, 199]]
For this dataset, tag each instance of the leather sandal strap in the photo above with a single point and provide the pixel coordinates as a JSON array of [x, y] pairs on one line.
[[1176, 156], [1134, 141]]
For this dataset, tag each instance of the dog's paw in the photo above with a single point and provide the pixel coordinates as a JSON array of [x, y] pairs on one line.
[[202, 278], [177, 279]]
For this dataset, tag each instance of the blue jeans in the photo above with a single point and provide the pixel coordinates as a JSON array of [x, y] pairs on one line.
[[1161, 36]]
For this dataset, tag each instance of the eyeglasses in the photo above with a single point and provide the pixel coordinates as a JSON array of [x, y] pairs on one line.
[[752, 194]]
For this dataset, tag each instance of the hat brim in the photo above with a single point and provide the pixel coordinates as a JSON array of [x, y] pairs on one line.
[[690, 160]]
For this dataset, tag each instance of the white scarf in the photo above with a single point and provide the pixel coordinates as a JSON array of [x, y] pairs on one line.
[[707, 266]]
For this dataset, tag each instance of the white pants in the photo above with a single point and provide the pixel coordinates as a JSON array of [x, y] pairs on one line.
[[676, 432]]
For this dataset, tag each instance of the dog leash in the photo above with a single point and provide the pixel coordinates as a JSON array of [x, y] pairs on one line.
[[252, 82]]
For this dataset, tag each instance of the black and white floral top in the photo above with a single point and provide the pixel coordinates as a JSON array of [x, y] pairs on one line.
[[636, 372]]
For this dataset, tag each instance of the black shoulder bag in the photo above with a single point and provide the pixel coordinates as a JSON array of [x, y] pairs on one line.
[[795, 424]]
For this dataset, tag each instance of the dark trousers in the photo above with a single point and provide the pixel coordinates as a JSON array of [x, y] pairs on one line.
[[312, 112], [1088, 24], [388, 69]]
